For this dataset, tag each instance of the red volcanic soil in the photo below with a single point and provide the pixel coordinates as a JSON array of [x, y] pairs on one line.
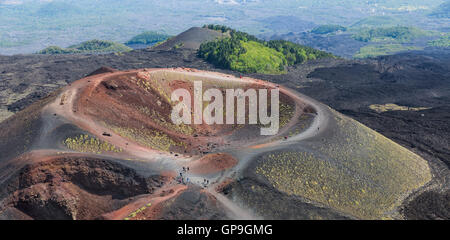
[[213, 163], [129, 102], [135, 108], [73, 186], [131, 111], [190, 203], [153, 205]]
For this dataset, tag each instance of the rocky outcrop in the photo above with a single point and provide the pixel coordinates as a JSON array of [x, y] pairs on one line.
[[76, 188]]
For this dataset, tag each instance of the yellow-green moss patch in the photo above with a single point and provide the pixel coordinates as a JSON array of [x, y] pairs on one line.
[[87, 144], [394, 107]]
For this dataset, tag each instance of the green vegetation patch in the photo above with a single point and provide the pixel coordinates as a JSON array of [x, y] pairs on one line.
[[153, 139], [95, 45], [295, 53], [245, 53], [92, 46], [148, 38], [394, 107], [286, 113], [137, 211], [87, 144], [398, 34], [58, 50], [384, 49], [330, 28], [258, 58]]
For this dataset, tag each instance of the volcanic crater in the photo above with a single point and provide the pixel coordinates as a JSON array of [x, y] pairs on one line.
[[105, 147]]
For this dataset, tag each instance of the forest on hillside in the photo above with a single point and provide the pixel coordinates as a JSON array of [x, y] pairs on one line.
[[245, 53]]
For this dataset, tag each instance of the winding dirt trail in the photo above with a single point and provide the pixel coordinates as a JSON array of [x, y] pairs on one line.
[[67, 106]]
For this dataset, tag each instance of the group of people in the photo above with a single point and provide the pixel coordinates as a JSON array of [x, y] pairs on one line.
[[205, 182], [184, 179], [182, 176]]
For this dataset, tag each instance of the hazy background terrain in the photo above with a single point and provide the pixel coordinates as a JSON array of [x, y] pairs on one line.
[[27, 26]]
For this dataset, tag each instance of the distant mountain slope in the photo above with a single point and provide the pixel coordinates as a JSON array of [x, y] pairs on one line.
[[368, 38], [343, 45], [443, 11], [287, 24], [377, 21], [57, 9]]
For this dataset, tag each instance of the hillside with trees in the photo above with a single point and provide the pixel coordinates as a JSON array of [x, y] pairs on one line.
[[92, 46], [398, 33], [52, 50], [329, 28], [382, 50], [245, 53]]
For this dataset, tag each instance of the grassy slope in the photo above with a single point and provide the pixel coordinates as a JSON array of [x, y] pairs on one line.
[[100, 46], [259, 58], [390, 40], [383, 49], [393, 34], [245, 53]]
